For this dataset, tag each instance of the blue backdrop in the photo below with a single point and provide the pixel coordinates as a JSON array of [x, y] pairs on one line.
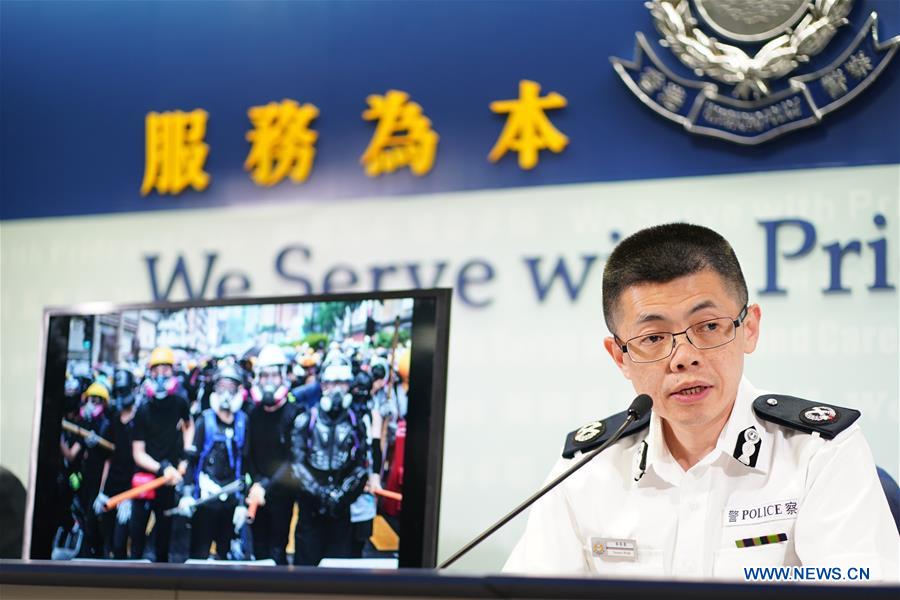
[[78, 79]]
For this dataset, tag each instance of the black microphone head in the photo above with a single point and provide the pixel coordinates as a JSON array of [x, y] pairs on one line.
[[640, 406]]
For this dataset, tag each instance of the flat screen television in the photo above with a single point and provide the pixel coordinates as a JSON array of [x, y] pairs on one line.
[[295, 430]]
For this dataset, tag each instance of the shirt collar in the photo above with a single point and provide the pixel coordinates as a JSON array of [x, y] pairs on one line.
[[737, 432], [659, 460], [732, 444]]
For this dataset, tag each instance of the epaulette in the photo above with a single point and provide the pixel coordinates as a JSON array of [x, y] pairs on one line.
[[597, 432], [804, 415]]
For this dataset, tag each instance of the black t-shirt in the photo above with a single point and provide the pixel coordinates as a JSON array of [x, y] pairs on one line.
[[156, 424], [216, 463], [92, 459], [270, 439], [122, 467], [69, 439]]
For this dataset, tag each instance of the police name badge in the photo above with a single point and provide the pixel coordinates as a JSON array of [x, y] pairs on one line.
[[761, 513], [758, 84], [613, 549]]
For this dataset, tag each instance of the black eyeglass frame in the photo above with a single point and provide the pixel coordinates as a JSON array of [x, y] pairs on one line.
[[737, 322]]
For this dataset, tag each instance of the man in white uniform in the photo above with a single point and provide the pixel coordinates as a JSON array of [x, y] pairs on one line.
[[721, 477]]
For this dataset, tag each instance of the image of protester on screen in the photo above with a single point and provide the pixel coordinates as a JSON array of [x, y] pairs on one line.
[[257, 432]]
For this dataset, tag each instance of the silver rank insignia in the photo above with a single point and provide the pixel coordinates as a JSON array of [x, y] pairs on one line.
[[590, 431], [736, 95], [747, 448], [819, 415]]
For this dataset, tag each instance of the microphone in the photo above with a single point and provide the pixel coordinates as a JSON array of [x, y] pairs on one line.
[[640, 406]]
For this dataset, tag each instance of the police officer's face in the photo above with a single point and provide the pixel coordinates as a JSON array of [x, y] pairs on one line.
[[691, 388]]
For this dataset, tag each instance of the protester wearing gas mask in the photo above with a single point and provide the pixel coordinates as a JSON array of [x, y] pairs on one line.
[[163, 431], [221, 447], [330, 461], [116, 523], [269, 456], [90, 462]]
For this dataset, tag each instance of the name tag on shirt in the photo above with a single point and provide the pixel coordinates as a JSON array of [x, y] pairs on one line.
[[614, 550], [760, 513]]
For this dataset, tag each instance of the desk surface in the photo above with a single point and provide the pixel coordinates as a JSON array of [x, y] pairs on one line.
[[422, 583]]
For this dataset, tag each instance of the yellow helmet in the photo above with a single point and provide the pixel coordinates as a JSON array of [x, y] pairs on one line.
[[97, 389], [162, 355]]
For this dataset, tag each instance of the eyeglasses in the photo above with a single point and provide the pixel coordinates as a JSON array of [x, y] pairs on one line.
[[704, 335]]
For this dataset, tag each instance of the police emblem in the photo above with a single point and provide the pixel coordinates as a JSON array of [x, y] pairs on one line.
[[590, 431], [819, 415], [739, 96], [751, 21]]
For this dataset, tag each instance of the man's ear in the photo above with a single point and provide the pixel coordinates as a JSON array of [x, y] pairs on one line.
[[615, 351], [751, 328]]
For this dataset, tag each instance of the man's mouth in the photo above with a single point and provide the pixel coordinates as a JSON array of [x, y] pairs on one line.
[[691, 393]]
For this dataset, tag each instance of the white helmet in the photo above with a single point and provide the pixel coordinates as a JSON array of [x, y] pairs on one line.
[[337, 373], [271, 356]]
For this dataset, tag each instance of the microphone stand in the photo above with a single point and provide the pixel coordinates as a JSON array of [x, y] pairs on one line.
[[633, 415]]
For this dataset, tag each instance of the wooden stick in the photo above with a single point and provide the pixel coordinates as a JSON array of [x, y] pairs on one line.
[[135, 492], [73, 428], [389, 494]]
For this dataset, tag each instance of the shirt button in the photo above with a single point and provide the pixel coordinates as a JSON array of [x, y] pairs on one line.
[[693, 506]]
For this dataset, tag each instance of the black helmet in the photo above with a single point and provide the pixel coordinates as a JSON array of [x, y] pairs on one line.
[[123, 388], [123, 379], [379, 372], [362, 385], [229, 372]]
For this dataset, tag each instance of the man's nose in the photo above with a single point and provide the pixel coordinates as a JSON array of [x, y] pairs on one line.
[[684, 354]]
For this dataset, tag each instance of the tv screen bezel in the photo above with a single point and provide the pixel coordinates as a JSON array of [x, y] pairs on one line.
[[425, 421]]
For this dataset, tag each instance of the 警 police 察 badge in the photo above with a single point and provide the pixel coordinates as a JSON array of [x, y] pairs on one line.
[[738, 91]]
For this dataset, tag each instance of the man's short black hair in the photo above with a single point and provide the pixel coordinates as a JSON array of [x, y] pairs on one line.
[[665, 252]]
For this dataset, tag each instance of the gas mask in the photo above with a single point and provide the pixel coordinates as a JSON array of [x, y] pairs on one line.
[[269, 394], [335, 400], [124, 399], [229, 401], [92, 408], [269, 389], [161, 386]]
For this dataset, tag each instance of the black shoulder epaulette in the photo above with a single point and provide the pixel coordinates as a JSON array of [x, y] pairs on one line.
[[807, 416], [595, 433]]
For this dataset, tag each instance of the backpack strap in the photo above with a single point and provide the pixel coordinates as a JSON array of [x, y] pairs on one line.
[[210, 431], [240, 431]]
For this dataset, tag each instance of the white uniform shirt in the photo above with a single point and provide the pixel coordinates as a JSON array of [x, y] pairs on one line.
[[824, 495]]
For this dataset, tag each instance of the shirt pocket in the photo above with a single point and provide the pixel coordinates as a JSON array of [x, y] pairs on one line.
[[729, 563], [648, 563]]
